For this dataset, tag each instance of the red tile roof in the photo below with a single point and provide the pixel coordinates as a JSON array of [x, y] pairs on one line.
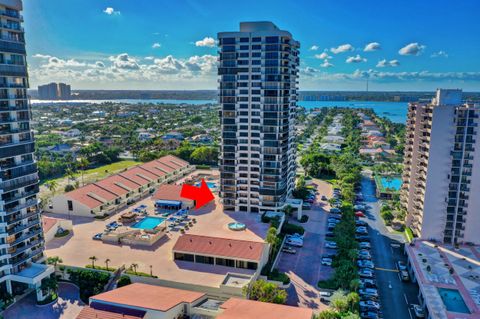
[[110, 185], [133, 176], [143, 173], [164, 167], [124, 182], [168, 192], [92, 313], [91, 195], [246, 309], [223, 247], [48, 223], [151, 167], [174, 159], [148, 297]]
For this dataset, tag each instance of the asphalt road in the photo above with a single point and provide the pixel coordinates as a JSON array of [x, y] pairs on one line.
[[395, 295]]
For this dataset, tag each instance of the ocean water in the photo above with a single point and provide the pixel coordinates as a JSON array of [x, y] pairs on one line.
[[394, 111]]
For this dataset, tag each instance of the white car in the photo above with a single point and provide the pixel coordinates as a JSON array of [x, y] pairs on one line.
[[365, 264], [364, 245], [370, 304], [327, 261], [294, 242], [331, 244], [419, 312]]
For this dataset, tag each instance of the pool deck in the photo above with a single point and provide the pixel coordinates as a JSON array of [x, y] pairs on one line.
[[385, 188], [465, 278], [76, 248]]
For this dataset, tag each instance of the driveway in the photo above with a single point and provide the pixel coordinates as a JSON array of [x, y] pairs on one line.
[[395, 295], [67, 306], [304, 268]]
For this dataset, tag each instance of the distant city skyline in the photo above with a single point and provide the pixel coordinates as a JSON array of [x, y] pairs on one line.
[[172, 45]]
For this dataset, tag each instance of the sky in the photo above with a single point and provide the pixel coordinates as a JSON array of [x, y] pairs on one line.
[[158, 44]]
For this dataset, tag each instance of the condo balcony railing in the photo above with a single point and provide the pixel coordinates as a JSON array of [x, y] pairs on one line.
[[13, 27], [11, 14], [20, 250], [28, 203], [23, 227]]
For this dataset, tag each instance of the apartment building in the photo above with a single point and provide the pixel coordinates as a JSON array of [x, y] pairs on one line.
[[54, 91], [442, 169], [258, 70], [21, 236]]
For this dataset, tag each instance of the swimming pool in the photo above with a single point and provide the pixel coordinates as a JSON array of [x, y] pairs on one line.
[[453, 300], [391, 182], [210, 185], [148, 223]]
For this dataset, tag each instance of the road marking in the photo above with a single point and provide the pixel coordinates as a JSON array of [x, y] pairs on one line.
[[409, 313], [406, 300], [386, 269]]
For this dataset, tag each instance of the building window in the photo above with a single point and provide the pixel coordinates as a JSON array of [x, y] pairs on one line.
[[70, 205], [185, 257], [204, 259]]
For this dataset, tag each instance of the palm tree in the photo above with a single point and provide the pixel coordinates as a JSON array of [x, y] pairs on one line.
[[52, 186], [93, 259], [83, 163], [54, 260], [151, 274], [106, 263], [271, 239], [134, 267]]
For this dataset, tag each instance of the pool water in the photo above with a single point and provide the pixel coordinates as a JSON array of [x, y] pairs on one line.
[[237, 226], [210, 185], [392, 183], [148, 223], [453, 300]]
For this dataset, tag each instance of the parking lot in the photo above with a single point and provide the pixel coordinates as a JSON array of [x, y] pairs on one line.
[[304, 267]]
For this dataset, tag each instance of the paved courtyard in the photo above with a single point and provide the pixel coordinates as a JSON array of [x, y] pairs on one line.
[[304, 268], [76, 248], [67, 306]]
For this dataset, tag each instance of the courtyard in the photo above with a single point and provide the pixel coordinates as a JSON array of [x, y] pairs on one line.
[[77, 248]]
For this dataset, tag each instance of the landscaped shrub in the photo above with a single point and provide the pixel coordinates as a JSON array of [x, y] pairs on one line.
[[90, 282], [202, 166], [123, 281], [304, 219], [290, 229]]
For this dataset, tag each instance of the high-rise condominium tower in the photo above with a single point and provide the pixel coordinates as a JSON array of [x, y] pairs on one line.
[[21, 237], [441, 179], [258, 69]]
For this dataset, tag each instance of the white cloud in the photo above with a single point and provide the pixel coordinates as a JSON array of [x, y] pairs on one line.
[[149, 58], [355, 59], [326, 64], [206, 42], [342, 48], [99, 64], [384, 63], [323, 56], [124, 61], [314, 47], [156, 45], [111, 11], [439, 54], [372, 46], [41, 56], [412, 49]]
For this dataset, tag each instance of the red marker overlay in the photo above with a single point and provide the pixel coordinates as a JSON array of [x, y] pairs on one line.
[[201, 195]]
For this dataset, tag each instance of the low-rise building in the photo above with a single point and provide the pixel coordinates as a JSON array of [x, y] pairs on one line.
[[167, 196], [137, 301], [119, 190], [52, 226]]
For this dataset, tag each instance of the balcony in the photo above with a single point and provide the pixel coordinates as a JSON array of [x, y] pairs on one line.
[[28, 203], [23, 227]]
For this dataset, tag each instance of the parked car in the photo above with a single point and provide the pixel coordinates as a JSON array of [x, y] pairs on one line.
[[359, 207], [97, 236], [364, 254], [368, 292], [369, 315], [326, 261], [335, 210], [364, 245], [289, 250], [333, 220], [365, 264], [370, 303], [295, 235], [368, 309], [296, 242], [359, 214], [418, 310], [329, 255], [360, 223], [404, 275], [361, 230], [324, 198], [329, 234], [401, 265], [366, 273], [362, 238], [331, 244], [367, 283]]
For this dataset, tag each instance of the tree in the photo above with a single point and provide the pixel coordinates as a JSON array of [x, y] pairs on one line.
[[52, 186], [352, 299], [134, 267], [339, 301], [272, 239], [93, 259], [106, 263], [264, 291], [54, 260], [123, 281], [328, 314], [288, 210], [49, 284], [83, 163]]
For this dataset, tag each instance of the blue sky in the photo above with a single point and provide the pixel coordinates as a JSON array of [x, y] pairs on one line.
[[157, 44]]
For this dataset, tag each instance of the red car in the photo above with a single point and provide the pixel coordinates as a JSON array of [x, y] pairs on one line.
[[359, 214]]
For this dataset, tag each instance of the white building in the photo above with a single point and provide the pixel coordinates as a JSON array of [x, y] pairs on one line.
[[441, 179], [258, 94]]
